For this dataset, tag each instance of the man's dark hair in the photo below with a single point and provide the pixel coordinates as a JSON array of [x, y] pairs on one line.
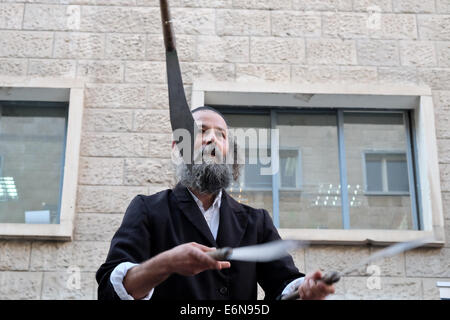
[[202, 108]]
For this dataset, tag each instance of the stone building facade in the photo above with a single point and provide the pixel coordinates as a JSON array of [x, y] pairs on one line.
[[115, 48]]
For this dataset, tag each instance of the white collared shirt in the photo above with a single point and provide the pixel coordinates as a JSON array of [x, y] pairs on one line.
[[212, 217]]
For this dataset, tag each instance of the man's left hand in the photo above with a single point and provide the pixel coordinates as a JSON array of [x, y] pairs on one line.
[[313, 288]]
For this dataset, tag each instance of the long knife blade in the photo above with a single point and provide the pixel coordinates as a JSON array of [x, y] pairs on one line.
[[266, 252], [387, 252], [331, 277], [259, 253], [180, 113]]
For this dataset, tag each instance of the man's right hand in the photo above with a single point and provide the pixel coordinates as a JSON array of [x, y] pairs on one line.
[[187, 259], [190, 259]]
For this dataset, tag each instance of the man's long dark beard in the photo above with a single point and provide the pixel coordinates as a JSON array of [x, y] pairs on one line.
[[206, 177]]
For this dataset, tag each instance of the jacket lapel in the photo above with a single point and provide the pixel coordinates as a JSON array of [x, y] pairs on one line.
[[190, 209], [233, 222]]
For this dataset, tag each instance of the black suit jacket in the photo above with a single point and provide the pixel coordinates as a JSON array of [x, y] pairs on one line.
[[153, 224]]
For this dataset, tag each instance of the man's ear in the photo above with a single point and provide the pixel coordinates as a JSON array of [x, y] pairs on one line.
[[175, 148], [175, 154]]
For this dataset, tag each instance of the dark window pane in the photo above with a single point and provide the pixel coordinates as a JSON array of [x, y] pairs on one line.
[[374, 175], [32, 140], [397, 173], [309, 176], [251, 178], [372, 141], [309, 140], [289, 171], [254, 178]]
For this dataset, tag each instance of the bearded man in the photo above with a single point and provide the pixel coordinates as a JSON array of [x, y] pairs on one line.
[[160, 249]]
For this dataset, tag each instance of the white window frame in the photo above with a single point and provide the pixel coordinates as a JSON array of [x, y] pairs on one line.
[[358, 96], [33, 87]]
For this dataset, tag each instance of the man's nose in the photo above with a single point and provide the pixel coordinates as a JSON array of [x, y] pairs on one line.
[[209, 137]]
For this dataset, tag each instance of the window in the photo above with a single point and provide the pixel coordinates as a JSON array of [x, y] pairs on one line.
[[251, 178], [253, 187], [385, 173], [331, 142], [367, 158], [40, 133], [379, 194], [302, 197], [32, 140], [290, 170]]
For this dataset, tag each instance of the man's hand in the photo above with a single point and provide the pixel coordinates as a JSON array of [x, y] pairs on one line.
[[190, 259], [187, 259], [313, 288]]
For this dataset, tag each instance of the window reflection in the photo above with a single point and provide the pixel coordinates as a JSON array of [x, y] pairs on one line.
[[32, 142], [375, 145]]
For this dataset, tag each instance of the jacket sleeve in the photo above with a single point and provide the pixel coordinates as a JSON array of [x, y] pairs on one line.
[[131, 243], [274, 276]]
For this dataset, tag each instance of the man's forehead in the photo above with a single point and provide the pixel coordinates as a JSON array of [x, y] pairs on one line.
[[209, 118]]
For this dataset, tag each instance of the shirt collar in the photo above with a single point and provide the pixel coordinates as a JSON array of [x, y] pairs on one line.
[[216, 203]]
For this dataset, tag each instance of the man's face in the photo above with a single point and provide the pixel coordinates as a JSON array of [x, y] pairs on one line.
[[210, 173], [214, 133]]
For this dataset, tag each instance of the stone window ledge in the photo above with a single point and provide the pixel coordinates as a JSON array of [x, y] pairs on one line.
[[361, 236]]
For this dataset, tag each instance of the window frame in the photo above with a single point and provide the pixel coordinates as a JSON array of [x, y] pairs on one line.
[[56, 88], [356, 96]]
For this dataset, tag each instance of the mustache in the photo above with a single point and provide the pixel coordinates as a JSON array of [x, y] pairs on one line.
[[207, 153]]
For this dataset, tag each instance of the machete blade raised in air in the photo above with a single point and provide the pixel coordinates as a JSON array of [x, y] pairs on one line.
[[180, 113]]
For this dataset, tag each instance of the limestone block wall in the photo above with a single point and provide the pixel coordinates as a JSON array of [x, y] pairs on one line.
[[116, 47]]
